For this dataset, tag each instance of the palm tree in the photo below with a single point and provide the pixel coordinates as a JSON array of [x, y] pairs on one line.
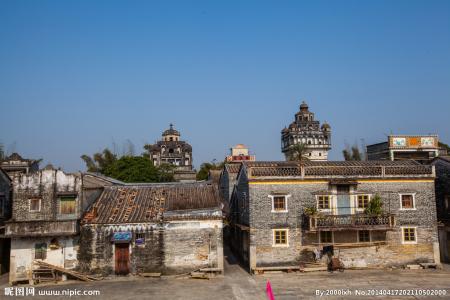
[[99, 161], [298, 152]]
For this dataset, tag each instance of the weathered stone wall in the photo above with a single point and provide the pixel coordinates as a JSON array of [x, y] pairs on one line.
[[45, 184], [174, 247], [23, 253], [263, 221]]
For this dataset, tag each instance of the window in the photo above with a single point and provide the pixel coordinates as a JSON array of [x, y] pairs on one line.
[[409, 235], [363, 201], [323, 202], [67, 205], [280, 237], [364, 236], [35, 204], [279, 203], [447, 203], [326, 237], [407, 201], [40, 251], [2, 205]]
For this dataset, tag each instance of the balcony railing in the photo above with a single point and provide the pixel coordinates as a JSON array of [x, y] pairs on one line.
[[41, 228], [356, 221]]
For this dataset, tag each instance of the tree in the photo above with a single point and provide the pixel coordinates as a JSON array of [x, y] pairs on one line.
[[165, 172], [298, 152], [128, 168], [99, 161], [133, 169], [203, 173], [353, 153], [375, 207]]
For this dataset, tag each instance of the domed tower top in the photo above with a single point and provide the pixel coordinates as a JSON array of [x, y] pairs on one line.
[[308, 131], [326, 126], [171, 134], [304, 107]]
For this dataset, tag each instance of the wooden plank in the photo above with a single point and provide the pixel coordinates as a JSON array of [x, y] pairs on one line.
[[277, 268], [313, 269], [66, 271], [199, 275], [211, 270]]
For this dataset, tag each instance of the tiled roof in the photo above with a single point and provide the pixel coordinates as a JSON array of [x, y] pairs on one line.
[[314, 169], [105, 178], [233, 167], [150, 202]]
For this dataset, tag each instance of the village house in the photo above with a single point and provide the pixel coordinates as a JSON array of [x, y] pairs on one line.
[[285, 213], [16, 164], [46, 210], [228, 175], [153, 228], [227, 179], [421, 148]]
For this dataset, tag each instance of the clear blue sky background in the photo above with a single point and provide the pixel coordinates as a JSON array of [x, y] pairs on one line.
[[77, 75]]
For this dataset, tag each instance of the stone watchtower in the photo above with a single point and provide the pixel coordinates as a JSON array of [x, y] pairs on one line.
[[171, 150], [305, 130]]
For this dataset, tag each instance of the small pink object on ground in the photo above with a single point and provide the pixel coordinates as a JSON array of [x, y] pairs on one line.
[[269, 291]]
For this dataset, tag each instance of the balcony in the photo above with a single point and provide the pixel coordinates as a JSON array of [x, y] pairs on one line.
[[355, 221], [41, 228]]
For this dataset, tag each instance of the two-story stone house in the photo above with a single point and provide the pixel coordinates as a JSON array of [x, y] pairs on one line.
[[282, 212], [47, 207]]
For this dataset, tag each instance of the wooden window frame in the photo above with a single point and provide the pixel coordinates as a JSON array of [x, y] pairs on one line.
[[318, 202], [403, 234], [75, 198], [357, 201], [29, 204], [272, 198], [274, 232], [359, 237], [332, 237], [413, 201]]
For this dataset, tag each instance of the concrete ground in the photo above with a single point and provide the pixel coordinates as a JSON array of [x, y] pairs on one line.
[[238, 284]]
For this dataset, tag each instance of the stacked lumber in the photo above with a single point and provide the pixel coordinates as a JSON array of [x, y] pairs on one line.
[[72, 273]]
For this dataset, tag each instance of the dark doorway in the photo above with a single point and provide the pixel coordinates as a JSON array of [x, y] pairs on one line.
[[122, 256]]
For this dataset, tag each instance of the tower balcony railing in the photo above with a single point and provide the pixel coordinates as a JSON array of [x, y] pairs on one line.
[[355, 221]]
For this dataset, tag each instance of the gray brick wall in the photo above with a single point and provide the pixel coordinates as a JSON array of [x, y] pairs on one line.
[[169, 248], [263, 221]]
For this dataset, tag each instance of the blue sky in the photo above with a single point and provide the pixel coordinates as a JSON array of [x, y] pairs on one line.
[[77, 75]]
